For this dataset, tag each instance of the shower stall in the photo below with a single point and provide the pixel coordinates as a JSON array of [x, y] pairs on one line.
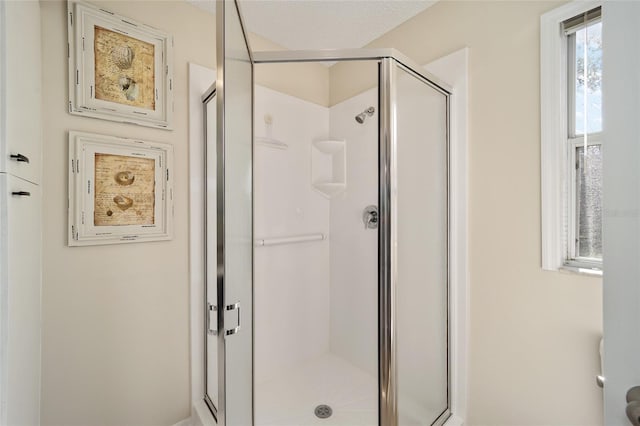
[[327, 243]]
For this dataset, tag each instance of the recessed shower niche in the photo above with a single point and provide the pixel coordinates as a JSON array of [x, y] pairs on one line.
[[329, 166]]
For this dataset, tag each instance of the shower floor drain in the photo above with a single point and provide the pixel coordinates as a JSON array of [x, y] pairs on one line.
[[323, 411]]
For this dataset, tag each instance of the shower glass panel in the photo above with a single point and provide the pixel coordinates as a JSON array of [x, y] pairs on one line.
[[234, 217], [422, 246], [315, 261]]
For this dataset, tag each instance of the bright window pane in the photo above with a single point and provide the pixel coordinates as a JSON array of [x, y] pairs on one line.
[[589, 202], [591, 82]]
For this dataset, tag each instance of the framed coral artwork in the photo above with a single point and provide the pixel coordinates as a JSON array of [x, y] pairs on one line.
[[120, 190], [119, 69]]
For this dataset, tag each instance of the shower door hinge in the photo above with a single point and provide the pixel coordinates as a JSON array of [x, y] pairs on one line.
[[232, 320], [212, 319]]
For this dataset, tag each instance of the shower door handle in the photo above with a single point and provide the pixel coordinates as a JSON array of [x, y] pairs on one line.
[[236, 329]]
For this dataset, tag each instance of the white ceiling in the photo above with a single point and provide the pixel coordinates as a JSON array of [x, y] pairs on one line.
[[324, 24]]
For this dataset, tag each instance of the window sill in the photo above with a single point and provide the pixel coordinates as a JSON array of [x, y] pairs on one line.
[[589, 272]]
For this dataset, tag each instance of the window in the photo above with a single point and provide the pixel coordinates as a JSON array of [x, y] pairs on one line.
[[584, 64], [572, 142]]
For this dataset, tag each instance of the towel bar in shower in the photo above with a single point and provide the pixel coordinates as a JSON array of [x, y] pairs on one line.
[[289, 240]]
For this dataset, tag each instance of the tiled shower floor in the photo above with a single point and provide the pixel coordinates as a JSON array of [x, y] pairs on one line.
[[290, 400]]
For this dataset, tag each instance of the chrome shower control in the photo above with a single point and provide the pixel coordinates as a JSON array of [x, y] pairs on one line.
[[370, 217], [633, 405]]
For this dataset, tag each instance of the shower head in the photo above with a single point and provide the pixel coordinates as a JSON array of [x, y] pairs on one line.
[[367, 112]]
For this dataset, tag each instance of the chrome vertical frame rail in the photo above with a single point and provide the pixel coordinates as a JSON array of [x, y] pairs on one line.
[[220, 181], [388, 399], [209, 96], [233, 372]]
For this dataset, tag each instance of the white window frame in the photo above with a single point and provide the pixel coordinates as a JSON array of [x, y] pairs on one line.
[[572, 260], [554, 134]]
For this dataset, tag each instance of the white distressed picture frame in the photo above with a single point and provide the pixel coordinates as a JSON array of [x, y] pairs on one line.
[[82, 19], [83, 231]]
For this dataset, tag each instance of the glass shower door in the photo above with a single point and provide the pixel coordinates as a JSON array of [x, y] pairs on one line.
[[419, 247], [230, 316]]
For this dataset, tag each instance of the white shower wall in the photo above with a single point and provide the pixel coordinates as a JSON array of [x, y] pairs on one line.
[[354, 250], [322, 297], [291, 281], [317, 297]]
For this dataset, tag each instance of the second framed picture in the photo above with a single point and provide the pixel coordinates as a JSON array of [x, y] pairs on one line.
[[120, 190], [119, 69]]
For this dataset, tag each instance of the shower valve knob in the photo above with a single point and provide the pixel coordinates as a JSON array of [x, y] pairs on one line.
[[370, 217], [633, 405]]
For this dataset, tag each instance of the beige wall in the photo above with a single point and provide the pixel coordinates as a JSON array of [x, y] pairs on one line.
[[115, 345], [534, 334], [115, 350], [308, 81]]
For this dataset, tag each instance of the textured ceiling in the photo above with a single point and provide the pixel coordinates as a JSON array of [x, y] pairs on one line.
[[324, 24]]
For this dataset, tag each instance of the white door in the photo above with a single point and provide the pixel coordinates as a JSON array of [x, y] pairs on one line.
[[22, 92], [20, 205], [621, 108], [20, 212]]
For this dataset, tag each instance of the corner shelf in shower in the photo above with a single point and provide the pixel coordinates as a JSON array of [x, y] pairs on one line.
[[329, 166]]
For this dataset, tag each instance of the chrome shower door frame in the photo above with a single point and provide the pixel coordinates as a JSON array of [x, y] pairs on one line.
[[221, 412], [208, 96], [389, 61]]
